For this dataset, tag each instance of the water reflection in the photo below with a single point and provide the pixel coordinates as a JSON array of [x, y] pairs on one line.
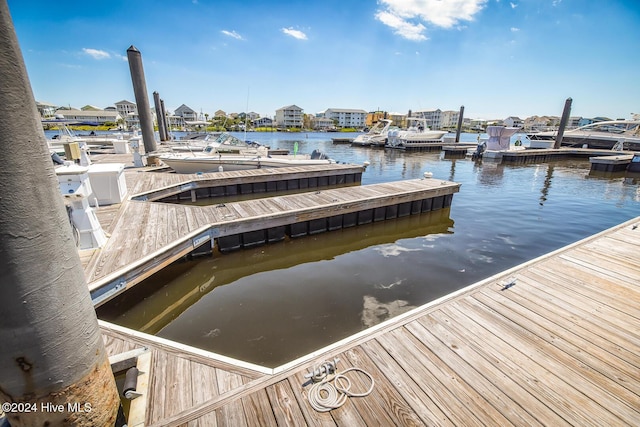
[[374, 311], [195, 302], [547, 184]]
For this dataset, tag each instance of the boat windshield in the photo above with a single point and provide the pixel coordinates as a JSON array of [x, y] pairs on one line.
[[417, 124], [378, 128], [228, 139]]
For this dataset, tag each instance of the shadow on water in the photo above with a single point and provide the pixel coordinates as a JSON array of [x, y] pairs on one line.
[[195, 302]]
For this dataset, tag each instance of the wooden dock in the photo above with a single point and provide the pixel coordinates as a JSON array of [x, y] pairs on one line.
[[147, 236], [554, 341]]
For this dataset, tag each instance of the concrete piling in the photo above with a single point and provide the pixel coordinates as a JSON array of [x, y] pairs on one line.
[[52, 355]]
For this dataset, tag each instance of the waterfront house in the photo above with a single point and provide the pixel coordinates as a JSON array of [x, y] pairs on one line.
[[397, 119], [322, 123], [188, 114], [129, 112], [374, 117], [263, 122], [95, 117], [346, 118], [46, 110], [513, 122], [449, 119], [290, 116], [433, 117]]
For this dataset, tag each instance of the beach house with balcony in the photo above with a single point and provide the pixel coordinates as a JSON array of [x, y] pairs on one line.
[[288, 117]]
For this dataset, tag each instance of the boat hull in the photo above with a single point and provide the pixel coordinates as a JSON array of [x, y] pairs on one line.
[[216, 164], [405, 142], [368, 141]]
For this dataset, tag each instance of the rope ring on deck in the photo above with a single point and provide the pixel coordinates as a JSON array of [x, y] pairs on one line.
[[332, 390]]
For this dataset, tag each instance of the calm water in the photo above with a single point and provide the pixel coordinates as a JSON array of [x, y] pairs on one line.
[[274, 303]]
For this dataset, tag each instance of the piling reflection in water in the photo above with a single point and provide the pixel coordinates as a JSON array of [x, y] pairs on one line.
[[270, 304]]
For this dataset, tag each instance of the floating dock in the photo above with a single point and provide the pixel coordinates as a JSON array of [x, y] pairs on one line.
[[540, 155], [147, 236], [342, 140], [438, 146], [553, 341], [617, 163]]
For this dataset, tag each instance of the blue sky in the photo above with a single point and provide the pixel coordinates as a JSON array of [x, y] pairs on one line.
[[496, 57]]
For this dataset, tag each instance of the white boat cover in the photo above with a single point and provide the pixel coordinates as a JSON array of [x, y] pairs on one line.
[[499, 137]]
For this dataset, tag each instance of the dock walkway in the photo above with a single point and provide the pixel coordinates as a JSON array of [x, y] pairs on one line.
[[146, 236], [554, 341]]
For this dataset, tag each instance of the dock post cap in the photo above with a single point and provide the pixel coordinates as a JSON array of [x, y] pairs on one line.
[[132, 48]]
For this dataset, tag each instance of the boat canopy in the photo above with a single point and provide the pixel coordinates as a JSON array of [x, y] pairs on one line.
[[499, 137]]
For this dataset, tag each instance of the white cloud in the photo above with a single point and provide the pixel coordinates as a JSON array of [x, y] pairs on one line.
[[556, 2], [232, 34], [96, 54], [401, 27], [406, 17], [294, 33], [513, 5], [514, 29]]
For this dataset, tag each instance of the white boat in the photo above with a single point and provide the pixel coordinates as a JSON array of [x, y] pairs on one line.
[[93, 141], [417, 135], [228, 153], [610, 134], [377, 135], [231, 162], [212, 142]]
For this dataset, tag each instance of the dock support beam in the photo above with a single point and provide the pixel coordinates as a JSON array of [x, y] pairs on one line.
[[52, 356]]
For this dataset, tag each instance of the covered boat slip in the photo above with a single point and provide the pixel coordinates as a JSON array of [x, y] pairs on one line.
[[554, 341], [147, 236]]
